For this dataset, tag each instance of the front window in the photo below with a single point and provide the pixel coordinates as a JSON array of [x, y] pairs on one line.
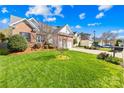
[[26, 35], [39, 38]]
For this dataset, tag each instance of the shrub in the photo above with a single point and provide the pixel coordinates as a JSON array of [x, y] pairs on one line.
[[87, 47], [51, 46], [46, 46], [108, 58], [102, 55], [4, 52], [37, 46], [2, 37], [17, 43], [113, 60], [75, 41]]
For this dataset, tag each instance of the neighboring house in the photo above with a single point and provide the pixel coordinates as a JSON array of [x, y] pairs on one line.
[[77, 37], [37, 32], [105, 42], [86, 40]]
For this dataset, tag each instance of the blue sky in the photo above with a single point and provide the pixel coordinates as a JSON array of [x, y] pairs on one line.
[[81, 18]]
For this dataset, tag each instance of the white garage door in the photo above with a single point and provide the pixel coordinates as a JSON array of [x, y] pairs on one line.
[[69, 44]]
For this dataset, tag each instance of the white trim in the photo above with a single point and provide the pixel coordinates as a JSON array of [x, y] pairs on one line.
[[67, 26], [32, 24], [17, 22], [34, 20]]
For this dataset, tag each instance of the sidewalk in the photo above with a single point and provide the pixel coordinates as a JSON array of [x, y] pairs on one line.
[[119, 55]]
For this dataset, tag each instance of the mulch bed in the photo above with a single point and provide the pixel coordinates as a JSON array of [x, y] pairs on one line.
[[29, 50]]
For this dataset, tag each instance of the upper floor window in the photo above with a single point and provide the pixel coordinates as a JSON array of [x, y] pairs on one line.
[[26, 35]]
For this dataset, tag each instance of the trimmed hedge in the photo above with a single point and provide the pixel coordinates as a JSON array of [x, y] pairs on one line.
[[17, 43]]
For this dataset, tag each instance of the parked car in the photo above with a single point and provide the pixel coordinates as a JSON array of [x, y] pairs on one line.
[[107, 46]]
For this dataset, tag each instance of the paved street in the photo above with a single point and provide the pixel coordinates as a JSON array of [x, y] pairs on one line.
[[119, 55]]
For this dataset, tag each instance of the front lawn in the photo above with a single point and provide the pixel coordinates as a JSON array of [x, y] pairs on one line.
[[42, 69]]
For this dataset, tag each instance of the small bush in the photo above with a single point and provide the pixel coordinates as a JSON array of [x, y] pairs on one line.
[[4, 52], [37, 46], [113, 60], [108, 58], [87, 47], [51, 46], [102, 56], [46, 46], [17, 43]]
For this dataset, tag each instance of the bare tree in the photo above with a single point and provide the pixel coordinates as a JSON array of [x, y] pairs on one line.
[[109, 37], [47, 33]]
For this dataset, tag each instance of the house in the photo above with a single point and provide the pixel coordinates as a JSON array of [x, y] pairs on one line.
[[37, 32], [77, 37], [105, 42], [85, 40], [63, 37]]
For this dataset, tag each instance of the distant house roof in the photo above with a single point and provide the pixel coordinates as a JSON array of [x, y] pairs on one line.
[[85, 36]]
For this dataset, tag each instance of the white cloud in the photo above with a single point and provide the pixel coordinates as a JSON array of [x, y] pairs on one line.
[[58, 10], [4, 10], [78, 26], [100, 15], [48, 12], [50, 19], [94, 24], [82, 15], [38, 10], [118, 31], [44, 10], [4, 21], [105, 7]]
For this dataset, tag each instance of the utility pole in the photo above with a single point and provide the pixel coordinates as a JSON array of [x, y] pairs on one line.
[[94, 38]]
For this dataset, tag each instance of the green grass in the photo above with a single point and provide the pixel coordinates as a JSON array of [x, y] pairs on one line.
[[105, 49], [42, 69]]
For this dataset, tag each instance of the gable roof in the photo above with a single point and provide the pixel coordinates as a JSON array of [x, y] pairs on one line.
[[15, 20], [68, 28]]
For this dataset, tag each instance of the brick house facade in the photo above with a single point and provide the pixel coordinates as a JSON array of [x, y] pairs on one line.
[[35, 32]]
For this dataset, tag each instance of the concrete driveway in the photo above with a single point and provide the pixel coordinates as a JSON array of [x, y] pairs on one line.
[[119, 54]]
